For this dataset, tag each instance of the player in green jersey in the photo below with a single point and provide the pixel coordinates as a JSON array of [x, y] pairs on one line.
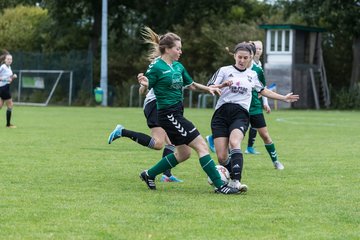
[[257, 119], [167, 76], [257, 48]]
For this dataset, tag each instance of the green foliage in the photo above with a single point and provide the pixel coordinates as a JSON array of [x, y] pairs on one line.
[[21, 28], [204, 45], [59, 179], [346, 98]]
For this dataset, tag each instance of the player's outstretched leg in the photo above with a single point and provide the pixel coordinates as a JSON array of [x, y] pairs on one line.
[[115, 134]]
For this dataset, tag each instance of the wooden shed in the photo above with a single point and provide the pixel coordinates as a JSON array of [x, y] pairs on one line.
[[293, 62]]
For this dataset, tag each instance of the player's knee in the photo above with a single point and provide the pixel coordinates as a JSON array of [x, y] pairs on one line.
[[158, 145], [222, 159], [234, 143]]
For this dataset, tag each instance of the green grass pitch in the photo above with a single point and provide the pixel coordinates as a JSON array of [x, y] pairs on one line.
[[59, 179]]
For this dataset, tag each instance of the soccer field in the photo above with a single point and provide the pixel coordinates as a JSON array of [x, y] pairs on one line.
[[59, 179]]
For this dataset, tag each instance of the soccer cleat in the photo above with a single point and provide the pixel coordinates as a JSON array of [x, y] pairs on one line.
[[251, 150], [116, 133], [150, 182], [278, 165], [210, 141], [237, 184], [225, 189], [10, 126], [164, 178], [174, 179]]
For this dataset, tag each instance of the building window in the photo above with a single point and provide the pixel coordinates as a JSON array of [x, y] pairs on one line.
[[280, 41], [272, 41]]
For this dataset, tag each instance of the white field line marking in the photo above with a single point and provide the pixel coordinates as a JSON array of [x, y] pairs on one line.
[[294, 122]]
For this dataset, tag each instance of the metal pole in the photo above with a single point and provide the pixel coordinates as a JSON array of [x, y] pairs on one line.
[[70, 87], [104, 64]]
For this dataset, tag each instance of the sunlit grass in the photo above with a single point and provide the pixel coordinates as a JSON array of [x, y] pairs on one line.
[[59, 179]]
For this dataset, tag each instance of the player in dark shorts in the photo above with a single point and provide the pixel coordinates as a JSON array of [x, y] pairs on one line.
[[231, 117], [158, 135], [6, 77]]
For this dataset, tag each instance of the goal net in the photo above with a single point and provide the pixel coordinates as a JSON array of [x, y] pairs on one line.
[[43, 87]]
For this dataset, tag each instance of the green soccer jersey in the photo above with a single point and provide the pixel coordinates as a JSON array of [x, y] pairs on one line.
[[167, 82], [256, 105]]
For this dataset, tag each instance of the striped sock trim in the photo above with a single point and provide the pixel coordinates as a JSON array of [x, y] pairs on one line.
[[169, 162], [236, 150], [207, 163], [170, 147], [151, 143]]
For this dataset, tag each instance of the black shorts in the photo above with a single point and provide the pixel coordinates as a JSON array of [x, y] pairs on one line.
[[179, 130], [257, 121], [5, 92], [228, 117], [151, 115]]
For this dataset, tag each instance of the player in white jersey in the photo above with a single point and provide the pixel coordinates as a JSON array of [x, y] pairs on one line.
[[6, 77], [231, 117]]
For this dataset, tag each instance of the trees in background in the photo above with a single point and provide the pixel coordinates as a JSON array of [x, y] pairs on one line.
[[206, 28], [23, 27]]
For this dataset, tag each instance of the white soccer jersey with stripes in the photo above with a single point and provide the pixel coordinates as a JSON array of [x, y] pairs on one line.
[[243, 82], [150, 96]]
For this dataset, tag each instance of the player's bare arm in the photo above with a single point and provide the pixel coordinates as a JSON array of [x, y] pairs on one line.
[[226, 83], [290, 97], [212, 90]]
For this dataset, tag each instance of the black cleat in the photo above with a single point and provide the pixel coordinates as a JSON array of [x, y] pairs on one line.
[[225, 189], [150, 182]]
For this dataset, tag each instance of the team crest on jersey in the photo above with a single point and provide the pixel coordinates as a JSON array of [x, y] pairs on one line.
[[177, 81], [249, 78]]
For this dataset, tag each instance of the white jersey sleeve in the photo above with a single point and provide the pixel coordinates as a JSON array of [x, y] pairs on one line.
[[218, 77], [150, 96]]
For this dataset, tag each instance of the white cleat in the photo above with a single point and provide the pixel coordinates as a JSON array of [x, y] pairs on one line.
[[236, 184], [278, 165]]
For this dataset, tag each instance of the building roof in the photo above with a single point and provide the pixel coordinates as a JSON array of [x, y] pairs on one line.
[[292, 26]]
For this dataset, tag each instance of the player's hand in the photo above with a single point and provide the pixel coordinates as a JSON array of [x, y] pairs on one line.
[[290, 97], [214, 90], [143, 80], [226, 83], [267, 108], [14, 76]]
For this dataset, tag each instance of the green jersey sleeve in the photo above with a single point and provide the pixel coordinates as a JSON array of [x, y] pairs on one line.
[[152, 75], [260, 74], [186, 78]]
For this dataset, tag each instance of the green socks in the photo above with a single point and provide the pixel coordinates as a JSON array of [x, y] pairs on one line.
[[164, 164], [272, 152], [208, 166], [170, 161]]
